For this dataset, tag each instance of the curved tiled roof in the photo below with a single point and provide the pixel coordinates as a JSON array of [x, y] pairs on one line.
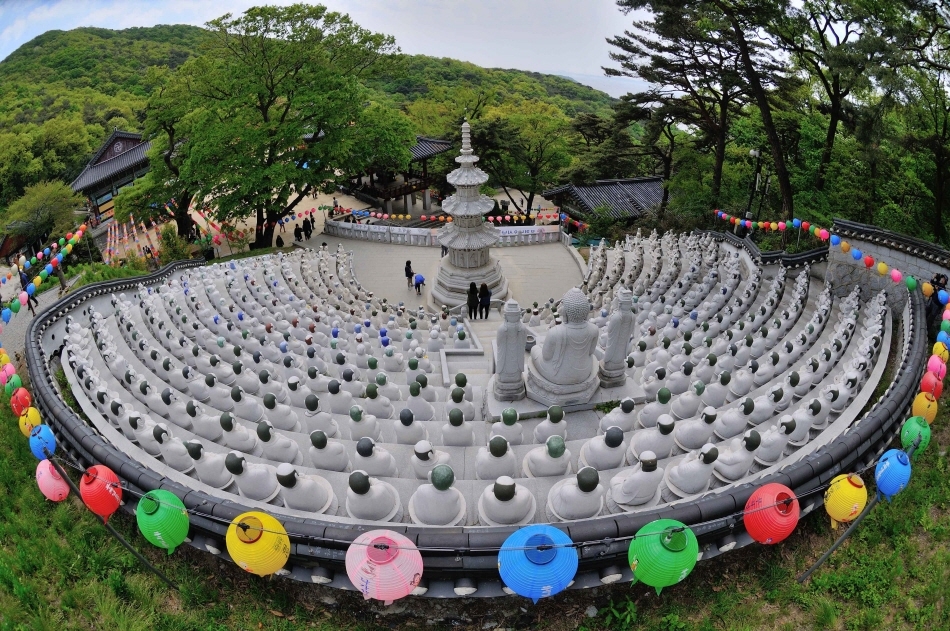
[[428, 147], [627, 198], [95, 174]]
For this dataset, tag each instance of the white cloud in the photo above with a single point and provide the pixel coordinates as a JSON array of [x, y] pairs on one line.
[[566, 37]]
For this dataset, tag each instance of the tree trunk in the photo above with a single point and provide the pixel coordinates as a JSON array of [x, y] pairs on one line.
[[940, 231], [765, 109], [829, 145], [263, 232], [183, 218], [667, 174]]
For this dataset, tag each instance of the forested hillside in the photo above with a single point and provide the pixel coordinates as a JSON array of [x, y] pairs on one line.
[[63, 92]]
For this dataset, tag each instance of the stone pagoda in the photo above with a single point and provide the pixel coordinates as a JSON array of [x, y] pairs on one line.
[[468, 236]]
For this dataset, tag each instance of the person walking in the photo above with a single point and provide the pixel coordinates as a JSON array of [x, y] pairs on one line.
[[298, 233], [307, 228], [409, 274], [24, 281], [472, 301], [419, 280], [282, 223], [484, 301]]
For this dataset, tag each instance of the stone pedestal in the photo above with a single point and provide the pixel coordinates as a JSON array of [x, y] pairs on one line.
[[611, 378], [548, 393], [452, 282]]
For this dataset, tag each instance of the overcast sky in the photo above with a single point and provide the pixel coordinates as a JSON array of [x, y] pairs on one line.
[[564, 37]]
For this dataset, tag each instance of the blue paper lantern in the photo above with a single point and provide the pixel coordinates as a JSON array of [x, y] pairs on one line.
[[943, 297], [48, 268], [26, 265], [537, 561], [30, 289], [3, 281], [856, 254], [835, 240], [41, 438], [892, 473], [944, 338], [797, 223], [6, 314], [46, 252], [59, 257]]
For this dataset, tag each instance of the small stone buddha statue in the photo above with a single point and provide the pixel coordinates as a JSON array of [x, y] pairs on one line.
[[495, 460], [371, 499], [236, 436], [363, 425], [552, 425], [652, 411], [506, 503], [438, 503], [692, 474], [351, 384], [254, 481], [605, 451], [636, 486], [427, 393], [281, 415], [308, 493], [200, 422], [457, 401], [734, 420], [509, 427], [774, 440], [376, 404], [338, 400], [579, 497], [425, 458], [316, 419], [461, 381], [736, 458], [657, 440], [552, 458], [276, 446], [326, 454], [622, 416], [715, 394], [421, 409], [804, 418], [457, 433], [374, 460], [408, 430], [209, 466], [386, 389]]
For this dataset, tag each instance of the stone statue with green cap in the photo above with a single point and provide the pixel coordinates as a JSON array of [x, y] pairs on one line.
[[509, 427], [652, 411], [421, 409], [506, 503], [363, 425], [408, 430], [550, 459], [326, 454], [438, 503], [552, 425], [457, 402], [578, 497], [457, 433], [376, 404], [372, 499], [427, 393], [496, 460], [387, 389]]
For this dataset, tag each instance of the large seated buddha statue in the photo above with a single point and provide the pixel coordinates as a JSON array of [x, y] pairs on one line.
[[563, 370]]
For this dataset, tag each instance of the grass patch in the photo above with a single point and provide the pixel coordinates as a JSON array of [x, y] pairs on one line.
[[250, 253], [90, 273]]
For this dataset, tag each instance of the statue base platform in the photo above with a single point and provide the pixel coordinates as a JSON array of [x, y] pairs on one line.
[[549, 393], [508, 391], [452, 282], [612, 378]]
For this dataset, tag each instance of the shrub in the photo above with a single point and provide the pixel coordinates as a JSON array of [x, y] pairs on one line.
[[173, 247]]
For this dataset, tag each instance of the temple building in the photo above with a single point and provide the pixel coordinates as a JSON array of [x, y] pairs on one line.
[[626, 199], [119, 161]]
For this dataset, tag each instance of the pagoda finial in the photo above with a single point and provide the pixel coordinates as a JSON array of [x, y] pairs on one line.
[[466, 138]]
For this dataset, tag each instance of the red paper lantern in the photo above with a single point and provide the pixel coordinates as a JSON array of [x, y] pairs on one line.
[[771, 513], [422, 217], [54, 262], [20, 400], [805, 225], [100, 490], [868, 261], [930, 383]]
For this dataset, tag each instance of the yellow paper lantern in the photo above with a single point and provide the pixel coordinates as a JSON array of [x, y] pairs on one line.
[[28, 420], [928, 289], [68, 248], [258, 543], [773, 226], [925, 405], [845, 498], [4, 359], [38, 281], [940, 350], [845, 247], [882, 268]]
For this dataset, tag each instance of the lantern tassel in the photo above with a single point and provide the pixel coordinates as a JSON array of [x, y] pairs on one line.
[[867, 509], [109, 527]]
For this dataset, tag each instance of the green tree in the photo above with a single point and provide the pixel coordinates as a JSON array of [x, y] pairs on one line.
[[523, 146], [45, 208], [172, 247], [280, 111]]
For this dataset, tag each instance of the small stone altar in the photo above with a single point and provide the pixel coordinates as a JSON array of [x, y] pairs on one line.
[[468, 236]]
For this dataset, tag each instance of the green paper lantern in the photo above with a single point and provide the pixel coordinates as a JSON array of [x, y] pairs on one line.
[[62, 242], [8, 389], [945, 326], [14, 382], [913, 427], [15, 306], [44, 275], [162, 519], [911, 283], [663, 553], [71, 242], [33, 261]]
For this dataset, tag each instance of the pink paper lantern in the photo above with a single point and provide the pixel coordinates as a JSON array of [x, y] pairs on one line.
[[781, 226], [52, 485], [937, 367], [24, 298], [9, 370], [507, 217], [422, 217], [824, 234], [386, 216], [39, 255], [946, 314], [372, 214], [896, 276], [383, 565]]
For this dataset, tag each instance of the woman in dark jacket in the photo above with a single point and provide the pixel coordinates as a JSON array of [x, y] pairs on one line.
[[472, 301], [409, 274], [484, 301]]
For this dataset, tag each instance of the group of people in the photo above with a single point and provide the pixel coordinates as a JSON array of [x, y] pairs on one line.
[[413, 279], [478, 301], [303, 231]]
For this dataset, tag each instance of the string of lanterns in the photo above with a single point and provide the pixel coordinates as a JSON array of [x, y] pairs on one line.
[[54, 255]]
